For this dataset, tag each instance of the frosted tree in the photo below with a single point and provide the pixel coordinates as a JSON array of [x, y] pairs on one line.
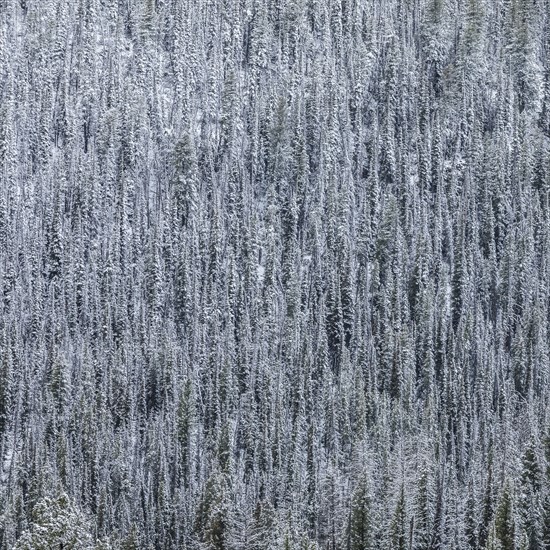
[[56, 523]]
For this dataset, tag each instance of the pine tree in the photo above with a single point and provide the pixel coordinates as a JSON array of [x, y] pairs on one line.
[[545, 531], [488, 506], [423, 515], [361, 519], [472, 520], [56, 523], [211, 522], [263, 526], [530, 504], [505, 527], [184, 424], [398, 529]]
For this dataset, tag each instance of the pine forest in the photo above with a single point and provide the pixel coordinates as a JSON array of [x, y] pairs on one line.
[[274, 274]]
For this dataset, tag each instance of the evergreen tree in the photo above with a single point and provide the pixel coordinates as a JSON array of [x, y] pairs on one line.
[[56, 523], [505, 526], [361, 519], [398, 530]]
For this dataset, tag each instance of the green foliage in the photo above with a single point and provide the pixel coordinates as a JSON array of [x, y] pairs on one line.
[[185, 180], [493, 542], [131, 540], [56, 523], [530, 500], [250, 248], [184, 418], [263, 525], [211, 522], [361, 529], [505, 526]]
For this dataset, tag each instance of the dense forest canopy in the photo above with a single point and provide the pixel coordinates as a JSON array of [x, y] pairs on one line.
[[275, 274]]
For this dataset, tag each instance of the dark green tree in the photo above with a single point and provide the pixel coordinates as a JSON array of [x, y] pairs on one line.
[[505, 525], [361, 528]]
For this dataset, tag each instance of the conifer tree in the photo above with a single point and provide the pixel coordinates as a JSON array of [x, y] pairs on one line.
[[361, 519], [505, 526]]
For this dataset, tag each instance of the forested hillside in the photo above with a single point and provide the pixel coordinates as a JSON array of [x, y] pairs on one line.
[[275, 274]]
